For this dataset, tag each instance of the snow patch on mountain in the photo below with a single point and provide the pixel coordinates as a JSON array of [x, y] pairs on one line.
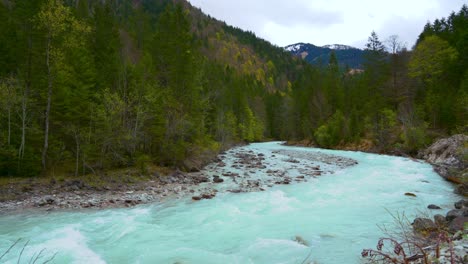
[[338, 47], [294, 47]]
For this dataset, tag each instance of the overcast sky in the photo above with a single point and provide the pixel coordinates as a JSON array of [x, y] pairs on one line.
[[321, 22]]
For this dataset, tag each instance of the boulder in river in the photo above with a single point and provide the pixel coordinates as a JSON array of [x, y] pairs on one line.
[[208, 195], [440, 220], [433, 207], [457, 224], [460, 204], [452, 214], [301, 241], [422, 225]]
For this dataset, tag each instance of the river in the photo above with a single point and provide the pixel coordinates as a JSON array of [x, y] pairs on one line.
[[336, 213]]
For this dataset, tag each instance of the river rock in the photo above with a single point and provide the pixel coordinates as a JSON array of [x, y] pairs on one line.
[[196, 198], [217, 179], [208, 195], [423, 225], [301, 241], [440, 220], [462, 189], [457, 224], [460, 204], [433, 207], [46, 200], [410, 194], [452, 214], [200, 179]]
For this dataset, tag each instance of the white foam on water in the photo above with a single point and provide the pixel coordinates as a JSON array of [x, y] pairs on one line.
[[281, 202], [70, 245]]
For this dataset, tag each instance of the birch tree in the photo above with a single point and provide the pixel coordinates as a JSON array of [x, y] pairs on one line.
[[60, 29]]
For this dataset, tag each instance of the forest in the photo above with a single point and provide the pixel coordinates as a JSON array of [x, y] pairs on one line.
[[89, 86]]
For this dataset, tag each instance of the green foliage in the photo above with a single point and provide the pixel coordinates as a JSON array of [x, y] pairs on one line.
[[383, 125], [333, 132], [142, 162], [323, 137], [415, 138], [430, 58]]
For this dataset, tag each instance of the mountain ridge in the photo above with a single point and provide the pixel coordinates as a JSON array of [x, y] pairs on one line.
[[347, 56]]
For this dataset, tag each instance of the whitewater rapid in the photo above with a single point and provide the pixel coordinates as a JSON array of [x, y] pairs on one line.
[[337, 214]]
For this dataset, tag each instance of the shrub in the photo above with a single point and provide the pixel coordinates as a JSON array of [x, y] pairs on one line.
[[334, 131], [415, 137], [142, 162], [322, 136]]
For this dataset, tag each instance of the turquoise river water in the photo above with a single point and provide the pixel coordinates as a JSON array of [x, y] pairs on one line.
[[337, 214]]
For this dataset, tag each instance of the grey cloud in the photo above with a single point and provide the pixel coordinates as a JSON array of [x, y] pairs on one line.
[[289, 13], [255, 13], [328, 21]]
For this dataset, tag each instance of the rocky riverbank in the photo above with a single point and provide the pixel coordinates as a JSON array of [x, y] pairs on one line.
[[445, 237], [449, 157], [78, 194], [237, 170]]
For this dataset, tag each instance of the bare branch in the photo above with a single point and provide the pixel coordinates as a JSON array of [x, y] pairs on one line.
[[12, 246], [22, 250]]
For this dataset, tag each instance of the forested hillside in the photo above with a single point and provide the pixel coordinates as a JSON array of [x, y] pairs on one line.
[[347, 56], [92, 85]]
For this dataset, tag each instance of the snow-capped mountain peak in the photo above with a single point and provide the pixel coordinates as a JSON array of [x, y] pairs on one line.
[[347, 56], [294, 47]]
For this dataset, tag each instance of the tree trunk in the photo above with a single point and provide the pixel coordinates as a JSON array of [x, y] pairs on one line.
[[77, 141], [23, 126], [24, 102], [49, 100], [9, 126]]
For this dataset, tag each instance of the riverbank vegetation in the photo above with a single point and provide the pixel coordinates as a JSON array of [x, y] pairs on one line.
[[88, 86]]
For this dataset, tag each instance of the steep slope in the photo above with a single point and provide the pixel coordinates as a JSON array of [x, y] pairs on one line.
[[136, 82], [346, 55]]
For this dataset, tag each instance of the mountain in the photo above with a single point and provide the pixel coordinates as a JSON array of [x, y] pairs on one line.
[[346, 55]]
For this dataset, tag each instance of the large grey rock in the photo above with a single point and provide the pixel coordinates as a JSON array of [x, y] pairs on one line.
[[447, 151], [460, 204], [448, 156], [457, 224], [423, 225], [452, 214], [440, 220]]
